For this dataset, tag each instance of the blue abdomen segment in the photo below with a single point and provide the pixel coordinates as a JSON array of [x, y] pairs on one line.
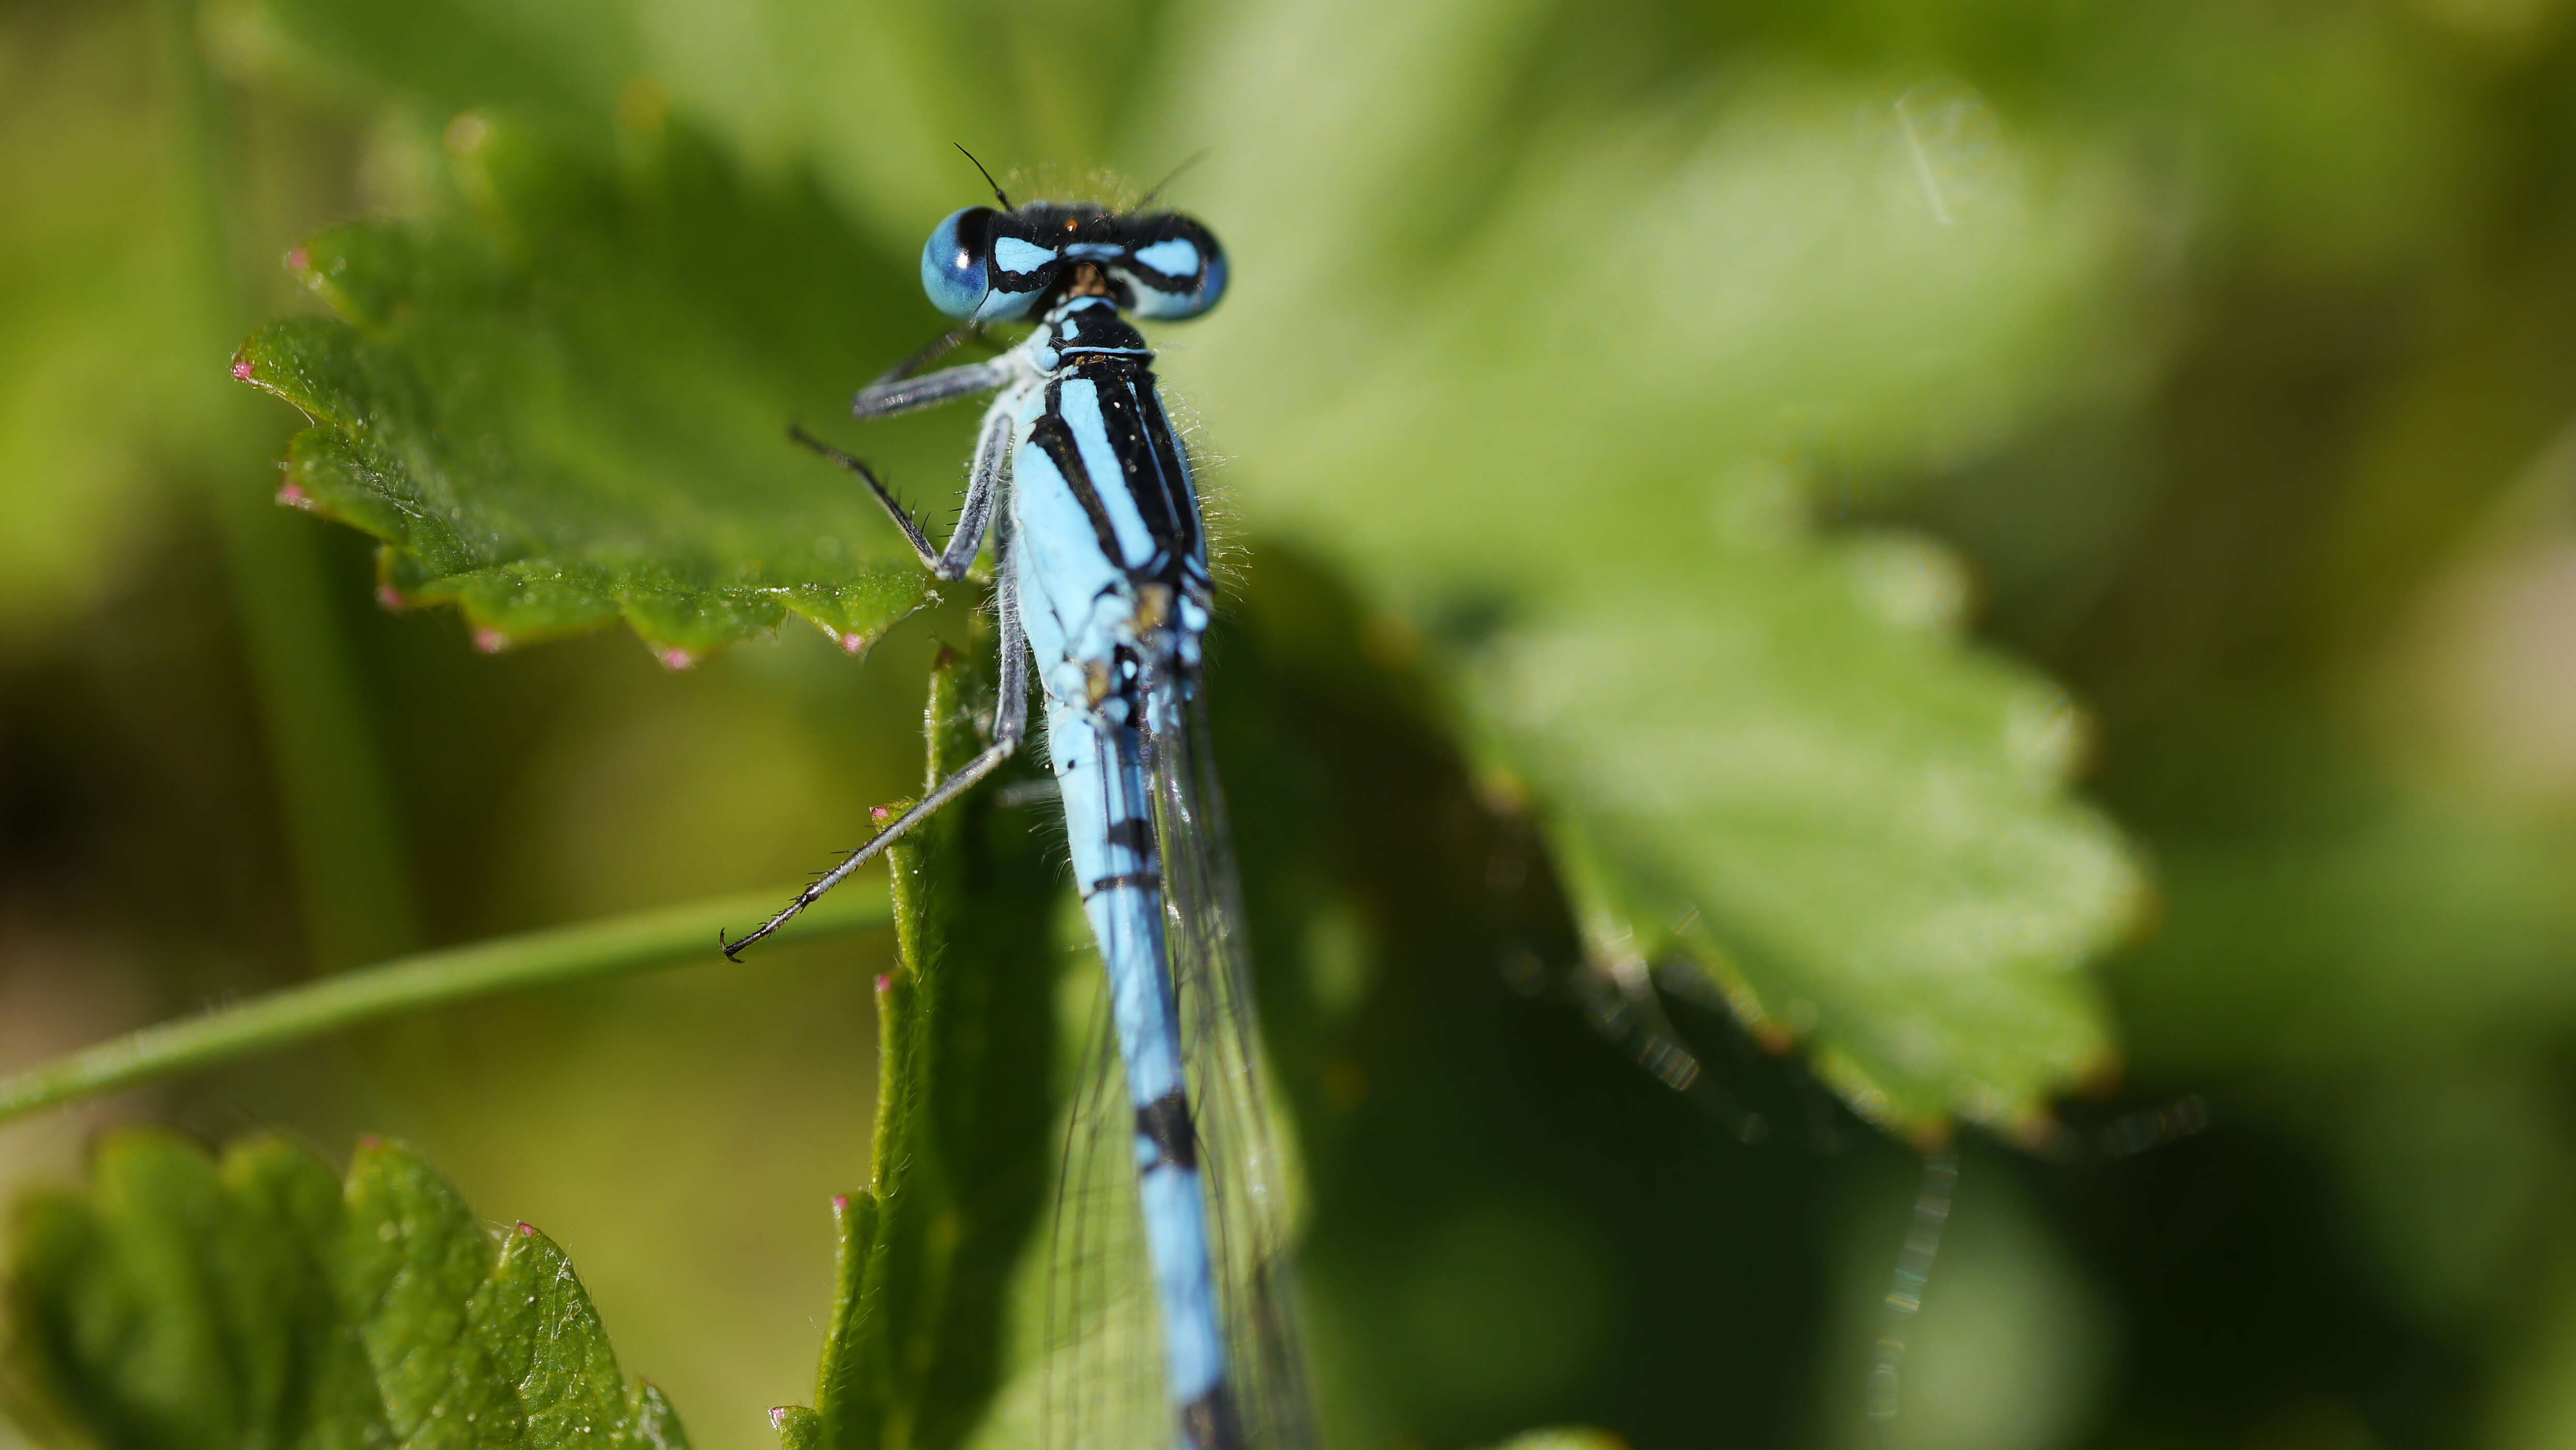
[[1108, 816]]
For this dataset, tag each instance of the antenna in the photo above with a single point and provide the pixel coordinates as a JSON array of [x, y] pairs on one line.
[[1147, 199], [988, 176]]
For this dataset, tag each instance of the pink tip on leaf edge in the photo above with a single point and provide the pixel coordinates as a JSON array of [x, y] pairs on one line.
[[526, 1230], [242, 368], [390, 597], [491, 641], [294, 497], [856, 644], [677, 659], [297, 260]]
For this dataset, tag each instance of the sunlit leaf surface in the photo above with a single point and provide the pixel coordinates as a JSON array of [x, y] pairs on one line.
[[563, 400]]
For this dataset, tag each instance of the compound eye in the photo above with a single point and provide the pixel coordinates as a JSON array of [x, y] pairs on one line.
[[956, 263], [1211, 281], [1191, 258]]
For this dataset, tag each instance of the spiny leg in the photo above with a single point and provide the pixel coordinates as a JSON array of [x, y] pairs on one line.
[[902, 516], [974, 514], [1010, 723]]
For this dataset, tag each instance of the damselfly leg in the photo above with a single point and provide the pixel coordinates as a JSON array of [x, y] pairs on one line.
[[931, 352], [901, 393], [1010, 725], [975, 511]]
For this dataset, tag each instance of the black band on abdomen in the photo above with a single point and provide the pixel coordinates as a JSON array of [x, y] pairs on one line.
[[1209, 1423], [1146, 880], [1165, 1122]]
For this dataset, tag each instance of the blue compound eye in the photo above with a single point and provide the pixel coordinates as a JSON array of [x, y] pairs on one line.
[[1211, 281], [1181, 276], [956, 263]]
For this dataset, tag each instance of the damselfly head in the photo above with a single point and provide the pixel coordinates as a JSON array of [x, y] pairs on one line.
[[983, 265]]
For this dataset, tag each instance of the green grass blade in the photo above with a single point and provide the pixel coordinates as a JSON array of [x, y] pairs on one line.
[[619, 945]]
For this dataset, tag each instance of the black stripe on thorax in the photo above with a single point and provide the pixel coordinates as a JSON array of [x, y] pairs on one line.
[[1141, 437], [1052, 435], [1172, 461], [1149, 458]]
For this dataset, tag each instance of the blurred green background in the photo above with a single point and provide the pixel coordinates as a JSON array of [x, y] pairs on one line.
[[2246, 403]]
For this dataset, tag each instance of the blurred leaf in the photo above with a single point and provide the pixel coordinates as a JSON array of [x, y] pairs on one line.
[[184, 1302], [1594, 483], [1509, 1217], [109, 374], [967, 1026], [1859, 830], [871, 96], [561, 401]]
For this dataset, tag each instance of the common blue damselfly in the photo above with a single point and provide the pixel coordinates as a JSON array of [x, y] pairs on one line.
[[1101, 577]]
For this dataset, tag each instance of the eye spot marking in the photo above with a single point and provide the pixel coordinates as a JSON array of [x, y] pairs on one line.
[[1014, 255], [1173, 257]]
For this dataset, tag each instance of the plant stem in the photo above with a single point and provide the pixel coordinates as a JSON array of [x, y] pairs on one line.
[[614, 947]]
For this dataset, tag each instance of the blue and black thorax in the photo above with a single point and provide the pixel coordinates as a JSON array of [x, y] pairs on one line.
[[1099, 391]]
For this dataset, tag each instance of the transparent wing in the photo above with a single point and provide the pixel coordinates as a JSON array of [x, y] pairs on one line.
[[1255, 1188], [1104, 1363]]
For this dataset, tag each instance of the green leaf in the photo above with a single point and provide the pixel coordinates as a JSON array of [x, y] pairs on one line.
[[1580, 462], [561, 399], [966, 1030], [257, 1301], [871, 95], [1859, 834]]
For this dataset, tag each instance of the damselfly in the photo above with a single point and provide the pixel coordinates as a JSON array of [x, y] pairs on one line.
[[1101, 577]]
